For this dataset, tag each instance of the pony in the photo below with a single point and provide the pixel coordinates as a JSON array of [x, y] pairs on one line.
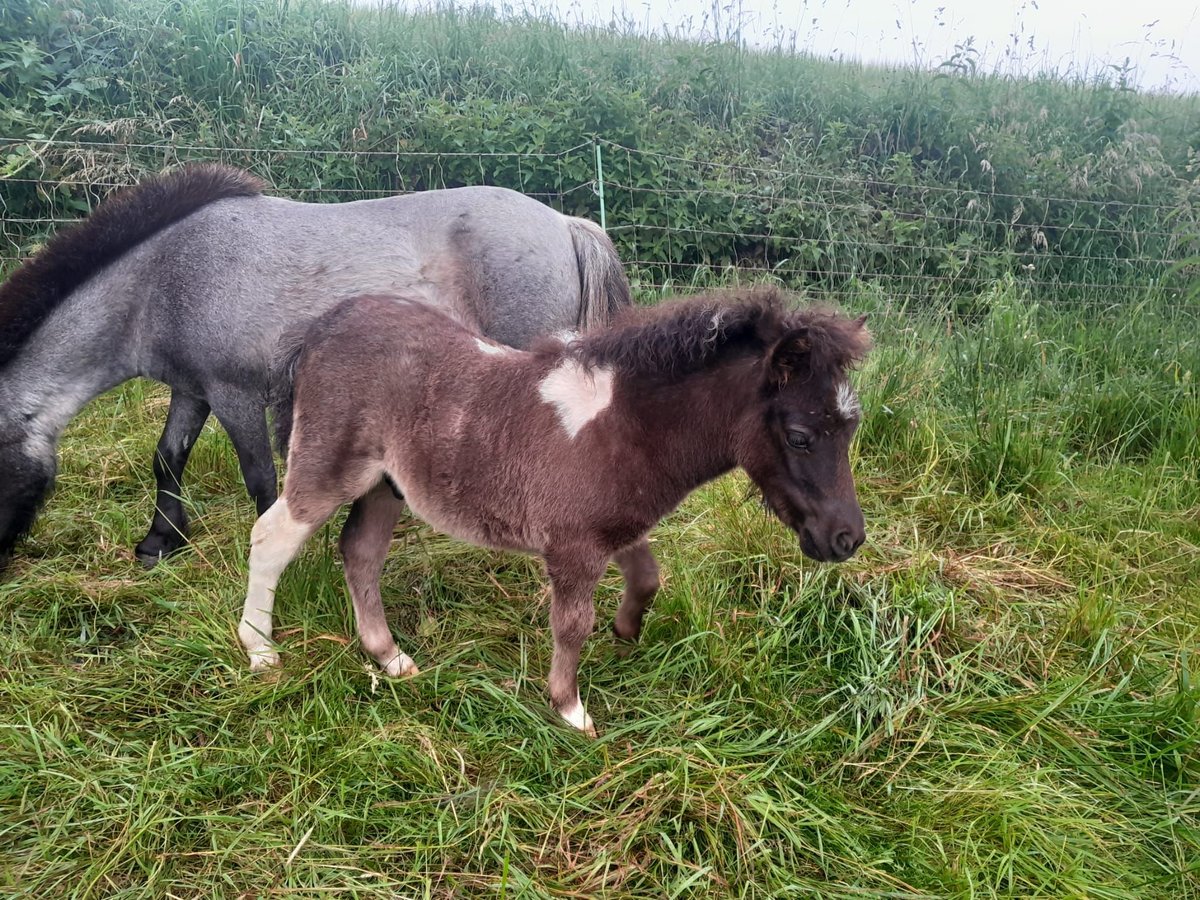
[[572, 450], [191, 278]]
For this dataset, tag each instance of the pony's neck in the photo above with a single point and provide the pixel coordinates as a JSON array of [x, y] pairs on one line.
[[81, 351], [689, 427]]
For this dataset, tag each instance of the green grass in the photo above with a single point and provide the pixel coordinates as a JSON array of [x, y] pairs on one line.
[[995, 698], [817, 171]]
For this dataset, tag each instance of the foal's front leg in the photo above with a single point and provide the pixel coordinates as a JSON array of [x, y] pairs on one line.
[[573, 578], [365, 539]]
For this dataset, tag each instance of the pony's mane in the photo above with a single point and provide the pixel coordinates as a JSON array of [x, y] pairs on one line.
[[121, 221], [683, 336]]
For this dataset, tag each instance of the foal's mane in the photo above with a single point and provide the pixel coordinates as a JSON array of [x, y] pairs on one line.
[[121, 221], [683, 336]]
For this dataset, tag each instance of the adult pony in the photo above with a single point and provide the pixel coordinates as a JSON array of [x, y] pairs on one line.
[[190, 278], [572, 451]]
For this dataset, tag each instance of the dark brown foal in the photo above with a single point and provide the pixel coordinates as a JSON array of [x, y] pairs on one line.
[[572, 451]]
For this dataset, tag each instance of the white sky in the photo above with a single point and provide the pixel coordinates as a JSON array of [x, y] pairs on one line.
[[1160, 37]]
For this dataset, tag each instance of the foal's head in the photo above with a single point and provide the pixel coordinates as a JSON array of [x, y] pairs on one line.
[[786, 372], [795, 437]]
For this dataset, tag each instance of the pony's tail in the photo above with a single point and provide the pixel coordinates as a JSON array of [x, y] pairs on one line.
[[282, 394], [604, 289]]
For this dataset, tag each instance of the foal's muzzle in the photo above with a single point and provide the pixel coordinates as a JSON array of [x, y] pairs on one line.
[[841, 538]]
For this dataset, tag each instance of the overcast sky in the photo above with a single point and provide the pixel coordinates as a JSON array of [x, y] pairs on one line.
[[1160, 38]]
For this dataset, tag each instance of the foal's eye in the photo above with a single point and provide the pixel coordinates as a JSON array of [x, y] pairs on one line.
[[798, 440]]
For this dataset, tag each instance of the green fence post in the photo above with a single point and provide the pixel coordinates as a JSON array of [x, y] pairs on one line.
[[600, 184]]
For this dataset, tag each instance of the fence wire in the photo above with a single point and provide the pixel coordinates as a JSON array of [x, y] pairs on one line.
[[683, 222]]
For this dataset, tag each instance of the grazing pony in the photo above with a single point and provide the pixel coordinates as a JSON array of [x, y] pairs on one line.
[[572, 451], [192, 277]]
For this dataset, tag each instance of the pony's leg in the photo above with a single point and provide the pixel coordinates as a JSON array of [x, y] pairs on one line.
[[168, 529], [365, 539], [573, 578], [246, 424], [276, 539], [640, 571]]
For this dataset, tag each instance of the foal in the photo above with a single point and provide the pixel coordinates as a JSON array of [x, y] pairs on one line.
[[573, 450]]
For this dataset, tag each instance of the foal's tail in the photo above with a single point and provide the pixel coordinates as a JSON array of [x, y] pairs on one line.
[[283, 383], [604, 289]]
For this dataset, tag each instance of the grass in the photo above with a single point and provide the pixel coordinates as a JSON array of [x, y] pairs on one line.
[[995, 698], [939, 180]]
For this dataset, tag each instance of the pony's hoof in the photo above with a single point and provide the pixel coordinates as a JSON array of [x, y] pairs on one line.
[[401, 666], [264, 660], [577, 717], [623, 646], [154, 548]]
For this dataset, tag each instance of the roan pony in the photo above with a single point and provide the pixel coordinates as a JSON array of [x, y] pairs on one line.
[[572, 450], [192, 277]]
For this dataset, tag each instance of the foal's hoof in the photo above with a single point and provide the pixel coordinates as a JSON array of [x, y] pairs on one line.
[[623, 646], [576, 716], [264, 659], [156, 547], [401, 666]]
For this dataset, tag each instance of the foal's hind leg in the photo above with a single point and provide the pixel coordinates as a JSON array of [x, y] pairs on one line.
[[365, 539], [168, 528], [276, 539], [640, 571]]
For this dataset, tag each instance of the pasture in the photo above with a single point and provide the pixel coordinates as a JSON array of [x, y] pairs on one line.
[[996, 697]]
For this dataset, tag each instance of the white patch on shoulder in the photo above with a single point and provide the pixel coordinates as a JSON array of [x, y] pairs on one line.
[[847, 401], [39, 444], [566, 335], [577, 395], [50, 418], [492, 349]]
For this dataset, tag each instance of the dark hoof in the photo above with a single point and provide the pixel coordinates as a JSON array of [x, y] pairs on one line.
[[156, 547], [624, 646]]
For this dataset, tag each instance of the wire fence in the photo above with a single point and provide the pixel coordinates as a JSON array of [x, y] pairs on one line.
[[685, 221]]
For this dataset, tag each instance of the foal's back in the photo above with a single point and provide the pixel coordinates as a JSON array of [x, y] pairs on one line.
[[447, 417]]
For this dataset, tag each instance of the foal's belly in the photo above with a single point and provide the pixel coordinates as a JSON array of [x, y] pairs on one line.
[[466, 522]]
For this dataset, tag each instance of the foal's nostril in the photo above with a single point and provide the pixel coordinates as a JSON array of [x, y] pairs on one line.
[[846, 542]]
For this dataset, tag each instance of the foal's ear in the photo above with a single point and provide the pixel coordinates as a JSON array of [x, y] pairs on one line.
[[790, 354]]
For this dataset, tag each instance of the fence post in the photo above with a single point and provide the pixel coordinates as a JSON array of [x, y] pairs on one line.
[[600, 183]]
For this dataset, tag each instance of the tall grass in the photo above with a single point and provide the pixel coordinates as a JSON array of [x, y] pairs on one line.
[[995, 698], [942, 178]]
